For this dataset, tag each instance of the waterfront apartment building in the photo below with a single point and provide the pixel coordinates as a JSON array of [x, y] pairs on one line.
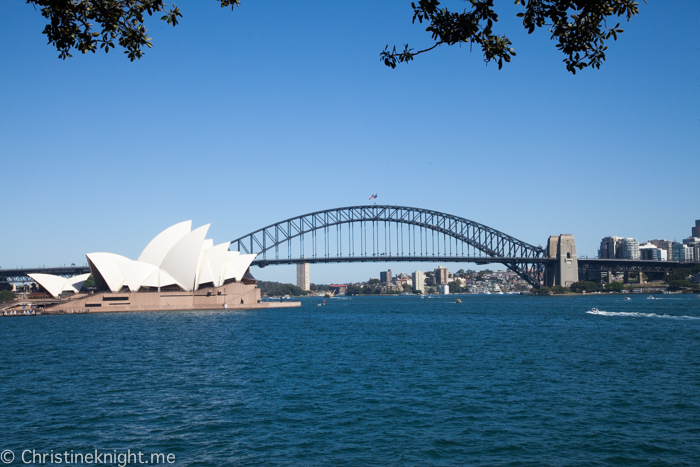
[[649, 252], [419, 282], [304, 276], [609, 247], [694, 244], [441, 275], [385, 277], [664, 245], [682, 252], [628, 249], [444, 289]]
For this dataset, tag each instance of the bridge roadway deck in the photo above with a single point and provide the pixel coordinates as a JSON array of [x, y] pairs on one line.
[[405, 259]]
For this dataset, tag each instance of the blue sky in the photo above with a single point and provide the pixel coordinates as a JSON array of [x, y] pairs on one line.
[[249, 117]]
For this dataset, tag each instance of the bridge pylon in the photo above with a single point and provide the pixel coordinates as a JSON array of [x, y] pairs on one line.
[[564, 271]]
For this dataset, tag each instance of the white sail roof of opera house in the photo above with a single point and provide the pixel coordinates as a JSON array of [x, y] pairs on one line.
[[178, 256], [56, 285]]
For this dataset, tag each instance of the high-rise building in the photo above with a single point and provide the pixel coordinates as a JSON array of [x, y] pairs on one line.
[[688, 253], [385, 277], [441, 275], [664, 245], [628, 249], [419, 281], [677, 252], [682, 252], [649, 252], [609, 247], [304, 276], [696, 230]]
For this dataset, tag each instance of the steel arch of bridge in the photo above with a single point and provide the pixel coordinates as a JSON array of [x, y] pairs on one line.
[[528, 261]]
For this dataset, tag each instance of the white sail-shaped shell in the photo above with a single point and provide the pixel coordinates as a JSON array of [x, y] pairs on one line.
[[183, 258], [213, 261], [237, 265], [135, 273], [75, 283], [158, 248], [158, 278], [105, 264], [51, 283]]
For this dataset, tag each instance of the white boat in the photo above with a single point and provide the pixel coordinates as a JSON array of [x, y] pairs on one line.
[[595, 311], [650, 298]]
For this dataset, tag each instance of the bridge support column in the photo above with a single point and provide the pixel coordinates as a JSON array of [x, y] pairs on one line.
[[626, 280], [565, 271]]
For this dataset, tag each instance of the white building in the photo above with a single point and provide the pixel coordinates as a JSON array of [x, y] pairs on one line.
[[419, 282], [688, 253], [629, 248], [649, 252], [176, 259], [444, 289], [304, 276]]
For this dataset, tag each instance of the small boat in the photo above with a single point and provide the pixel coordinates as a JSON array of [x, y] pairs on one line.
[[650, 298], [595, 311]]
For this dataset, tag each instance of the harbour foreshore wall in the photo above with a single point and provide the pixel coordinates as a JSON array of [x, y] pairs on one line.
[[232, 296]]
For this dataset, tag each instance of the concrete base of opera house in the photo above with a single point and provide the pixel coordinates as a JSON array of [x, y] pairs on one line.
[[232, 296]]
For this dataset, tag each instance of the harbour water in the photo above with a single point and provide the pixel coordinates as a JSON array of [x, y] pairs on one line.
[[495, 380]]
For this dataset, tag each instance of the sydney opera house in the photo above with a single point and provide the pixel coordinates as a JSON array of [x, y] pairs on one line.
[[180, 269]]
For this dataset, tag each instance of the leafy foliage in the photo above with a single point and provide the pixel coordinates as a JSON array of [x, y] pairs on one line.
[[580, 28], [615, 287], [276, 289], [679, 274], [6, 296], [84, 24], [679, 284], [541, 291], [89, 283], [586, 286]]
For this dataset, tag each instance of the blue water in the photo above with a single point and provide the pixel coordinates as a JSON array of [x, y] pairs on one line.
[[495, 380]]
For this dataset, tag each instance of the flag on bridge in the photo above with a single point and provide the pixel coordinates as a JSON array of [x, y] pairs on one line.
[[372, 197]]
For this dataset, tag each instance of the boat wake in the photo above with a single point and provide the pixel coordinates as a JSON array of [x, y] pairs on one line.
[[639, 315]]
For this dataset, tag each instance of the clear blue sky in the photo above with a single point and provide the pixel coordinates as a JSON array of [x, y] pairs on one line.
[[279, 108]]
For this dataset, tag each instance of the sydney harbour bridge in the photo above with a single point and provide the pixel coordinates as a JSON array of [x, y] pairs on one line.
[[380, 233]]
